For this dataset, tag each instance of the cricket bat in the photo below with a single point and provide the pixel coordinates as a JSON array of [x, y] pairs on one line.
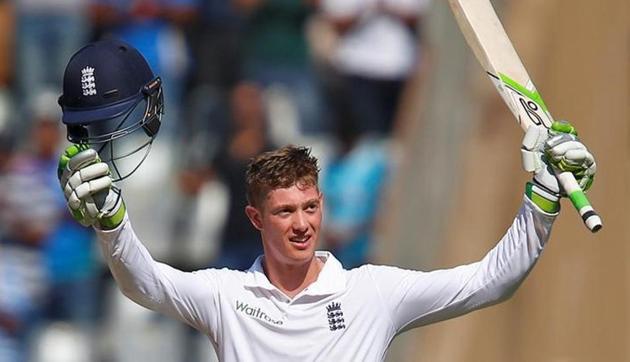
[[492, 47]]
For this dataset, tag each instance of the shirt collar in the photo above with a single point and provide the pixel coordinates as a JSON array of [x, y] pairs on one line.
[[331, 278]]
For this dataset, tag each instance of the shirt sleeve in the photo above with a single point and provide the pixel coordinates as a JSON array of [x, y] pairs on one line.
[[188, 296], [415, 298]]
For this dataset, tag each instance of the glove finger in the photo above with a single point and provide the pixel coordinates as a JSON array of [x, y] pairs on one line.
[[90, 207], [534, 138], [82, 218], [592, 169], [561, 149], [579, 157], [68, 153], [74, 203], [530, 160], [88, 173], [558, 139], [93, 186], [531, 148], [88, 188], [82, 159], [95, 204], [585, 183], [589, 167], [76, 162]]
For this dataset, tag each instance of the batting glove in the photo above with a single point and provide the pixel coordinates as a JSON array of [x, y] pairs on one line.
[[87, 186], [547, 152]]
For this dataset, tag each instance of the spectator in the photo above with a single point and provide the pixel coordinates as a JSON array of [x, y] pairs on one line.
[[16, 301], [247, 137], [275, 53], [7, 35], [71, 256], [375, 53], [215, 39], [215, 43], [29, 210], [44, 252], [353, 183], [47, 34]]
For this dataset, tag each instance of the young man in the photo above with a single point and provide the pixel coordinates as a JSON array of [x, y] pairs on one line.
[[296, 303]]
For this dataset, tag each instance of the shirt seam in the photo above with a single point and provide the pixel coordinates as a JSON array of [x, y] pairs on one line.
[[384, 305]]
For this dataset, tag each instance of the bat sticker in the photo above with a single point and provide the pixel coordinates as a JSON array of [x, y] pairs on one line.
[[531, 109]]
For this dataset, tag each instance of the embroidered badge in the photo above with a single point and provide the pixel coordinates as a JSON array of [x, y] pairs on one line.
[[88, 81], [335, 316]]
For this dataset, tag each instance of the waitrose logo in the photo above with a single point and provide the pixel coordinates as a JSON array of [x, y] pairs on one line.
[[255, 312]]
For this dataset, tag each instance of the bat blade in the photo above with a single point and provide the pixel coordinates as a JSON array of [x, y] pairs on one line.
[[493, 49]]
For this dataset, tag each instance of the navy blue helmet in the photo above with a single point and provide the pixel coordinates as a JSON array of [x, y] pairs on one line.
[[110, 97]]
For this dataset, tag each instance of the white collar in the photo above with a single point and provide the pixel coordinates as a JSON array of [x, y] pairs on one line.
[[331, 278]]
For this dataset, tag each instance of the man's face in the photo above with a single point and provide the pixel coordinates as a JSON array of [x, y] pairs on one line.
[[289, 220]]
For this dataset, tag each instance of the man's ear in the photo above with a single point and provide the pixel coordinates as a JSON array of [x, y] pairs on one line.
[[255, 217]]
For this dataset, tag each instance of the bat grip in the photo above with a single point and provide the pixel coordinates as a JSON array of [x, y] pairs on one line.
[[579, 200]]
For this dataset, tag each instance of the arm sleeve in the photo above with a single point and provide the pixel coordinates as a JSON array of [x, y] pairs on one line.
[[189, 297], [415, 298]]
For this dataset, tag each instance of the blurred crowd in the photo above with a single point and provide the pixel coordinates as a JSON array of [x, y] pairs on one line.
[[240, 77]]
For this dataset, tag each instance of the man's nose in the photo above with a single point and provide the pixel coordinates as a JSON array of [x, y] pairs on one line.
[[300, 224]]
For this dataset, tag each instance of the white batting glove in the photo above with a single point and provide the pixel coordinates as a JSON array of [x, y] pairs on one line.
[[87, 186], [547, 152]]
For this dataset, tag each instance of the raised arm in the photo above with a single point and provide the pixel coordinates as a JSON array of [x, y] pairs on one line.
[[416, 298], [190, 297]]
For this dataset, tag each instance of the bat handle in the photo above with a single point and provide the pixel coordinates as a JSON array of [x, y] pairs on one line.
[[579, 200]]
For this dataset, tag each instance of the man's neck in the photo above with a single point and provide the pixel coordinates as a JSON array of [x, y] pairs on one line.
[[292, 279]]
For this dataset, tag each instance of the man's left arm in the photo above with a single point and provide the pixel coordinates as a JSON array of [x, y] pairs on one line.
[[415, 298]]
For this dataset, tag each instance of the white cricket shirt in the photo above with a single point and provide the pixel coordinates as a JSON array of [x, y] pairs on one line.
[[346, 315]]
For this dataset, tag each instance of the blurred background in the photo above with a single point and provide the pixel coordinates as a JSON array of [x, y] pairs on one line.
[[419, 156]]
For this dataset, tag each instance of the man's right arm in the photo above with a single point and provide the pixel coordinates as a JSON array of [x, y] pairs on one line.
[[93, 201], [190, 297]]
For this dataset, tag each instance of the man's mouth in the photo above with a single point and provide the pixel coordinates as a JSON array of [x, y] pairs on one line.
[[300, 241]]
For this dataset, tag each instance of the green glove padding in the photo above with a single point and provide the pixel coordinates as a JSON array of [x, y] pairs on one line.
[[550, 152], [87, 186]]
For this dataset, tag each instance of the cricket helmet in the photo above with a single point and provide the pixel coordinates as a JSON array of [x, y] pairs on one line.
[[113, 102]]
